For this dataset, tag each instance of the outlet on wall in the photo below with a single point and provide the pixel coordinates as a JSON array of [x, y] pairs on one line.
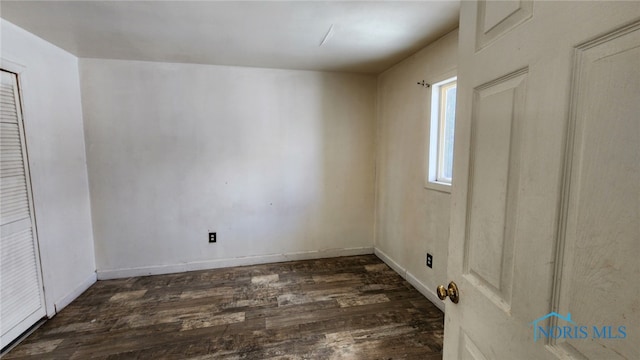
[[429, 260], [212, 237]]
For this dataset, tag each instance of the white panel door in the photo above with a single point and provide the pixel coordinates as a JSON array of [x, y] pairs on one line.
[[21, 292], [545, 229]]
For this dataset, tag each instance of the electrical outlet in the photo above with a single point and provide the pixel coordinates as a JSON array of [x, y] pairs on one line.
[[429, 260], [212, 237]]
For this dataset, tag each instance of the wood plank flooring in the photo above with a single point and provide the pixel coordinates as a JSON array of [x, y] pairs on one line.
[[339, 308]]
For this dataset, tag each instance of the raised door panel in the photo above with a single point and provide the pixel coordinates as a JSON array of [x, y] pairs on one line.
[[493, 177], [469, 350], [496, 18], [600, 241]]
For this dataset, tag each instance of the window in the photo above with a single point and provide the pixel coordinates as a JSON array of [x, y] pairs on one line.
[[443, 118]]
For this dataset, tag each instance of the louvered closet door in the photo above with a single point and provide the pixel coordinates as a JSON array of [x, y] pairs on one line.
[[21, 292]]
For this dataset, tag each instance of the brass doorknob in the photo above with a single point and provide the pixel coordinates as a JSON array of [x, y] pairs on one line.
[[451, 291]]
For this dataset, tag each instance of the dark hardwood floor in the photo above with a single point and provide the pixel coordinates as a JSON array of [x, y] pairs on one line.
[[340, 308]]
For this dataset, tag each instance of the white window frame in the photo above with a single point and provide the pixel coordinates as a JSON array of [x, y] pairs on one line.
[[435, 163]]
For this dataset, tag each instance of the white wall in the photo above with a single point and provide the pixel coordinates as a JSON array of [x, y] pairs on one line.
[[54, 134], [280, 163], [410, 219]]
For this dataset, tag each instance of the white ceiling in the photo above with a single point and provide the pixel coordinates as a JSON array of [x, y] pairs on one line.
[[366, 37]]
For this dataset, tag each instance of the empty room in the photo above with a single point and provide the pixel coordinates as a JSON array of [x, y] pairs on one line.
[[320, 179]]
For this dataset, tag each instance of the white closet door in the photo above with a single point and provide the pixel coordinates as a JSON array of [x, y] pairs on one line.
[[21, 291]]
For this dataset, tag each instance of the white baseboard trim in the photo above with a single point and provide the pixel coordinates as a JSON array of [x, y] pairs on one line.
[[424, 290], [392, 263], [222, 263], [67, 299], [420, 286]]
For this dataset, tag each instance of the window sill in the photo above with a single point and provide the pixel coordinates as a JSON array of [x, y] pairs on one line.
[[438, 186]]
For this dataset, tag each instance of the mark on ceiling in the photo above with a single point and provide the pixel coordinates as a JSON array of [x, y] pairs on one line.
[[327, 36]]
